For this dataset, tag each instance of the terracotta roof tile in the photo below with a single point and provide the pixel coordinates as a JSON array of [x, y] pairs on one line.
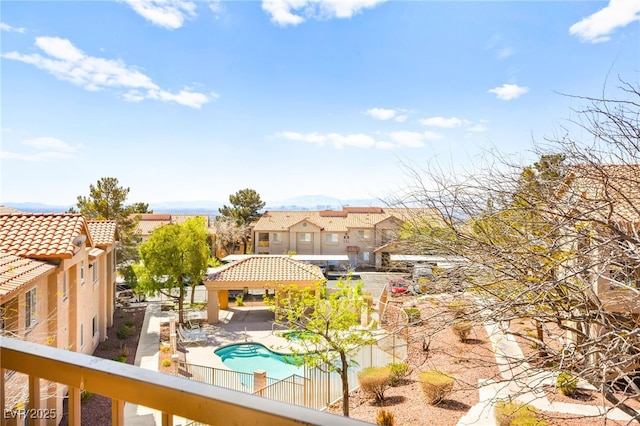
[[341, 221], [146, 227], [41, 235], [103, 232], [16, 271], [267, 269]]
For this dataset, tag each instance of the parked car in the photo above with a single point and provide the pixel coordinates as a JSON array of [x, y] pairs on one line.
[[126, 297], [398, 286]]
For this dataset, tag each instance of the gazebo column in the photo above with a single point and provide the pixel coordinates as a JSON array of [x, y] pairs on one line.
[[212, 307], [223, 299]]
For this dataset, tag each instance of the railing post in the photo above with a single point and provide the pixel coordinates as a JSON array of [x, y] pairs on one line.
[[3, 419], [167, 419], [74, 406], [117, 412], [259, 381], [34, 399]]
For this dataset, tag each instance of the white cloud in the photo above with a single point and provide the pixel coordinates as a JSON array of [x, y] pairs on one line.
[[294, 12], [447, 123], [401, 118], [432, 136], [381, 113], [359, 140], [410, 139], [507, 92], [597, 27], [505, 52], [68, 63], [169, 14], [9, 28], [48, 148]]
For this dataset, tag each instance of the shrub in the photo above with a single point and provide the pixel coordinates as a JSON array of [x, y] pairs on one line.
[[120, 358], [124, 332], [240, 300], [435, 385], [567, 383], [85, 396], [105, 346], [374, 381], [165, 349], [510, 413], [459, 308], [385, 418], [462, 329], [129, 323], [398, 370], [166, 362], [413, 314], [124, 351]]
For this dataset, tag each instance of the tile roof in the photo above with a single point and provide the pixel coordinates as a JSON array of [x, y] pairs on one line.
[[338, 221], [146, 227], [16, 271], [609, 190], [267, 269], [41, 235], [103, 232]]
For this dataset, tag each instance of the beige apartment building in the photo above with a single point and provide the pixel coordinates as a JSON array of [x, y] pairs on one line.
[[57, 288], [354, 231]]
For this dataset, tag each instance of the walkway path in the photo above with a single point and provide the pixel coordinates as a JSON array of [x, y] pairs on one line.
[[524, 384]]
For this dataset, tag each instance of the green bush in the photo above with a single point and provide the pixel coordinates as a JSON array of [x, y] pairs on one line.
[[240, 300], [120, 358], [166, 362], [413, 314], [436, 385], [462, 329], [459, 308], [510, 413], [385, 418], [125, 332], [85, 396], [398, 371], [567, 383], [374, 381], [130, 323]]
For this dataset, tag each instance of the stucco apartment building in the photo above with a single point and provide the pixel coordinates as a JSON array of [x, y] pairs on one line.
[[57, 288], [149, 222], [354, 231]]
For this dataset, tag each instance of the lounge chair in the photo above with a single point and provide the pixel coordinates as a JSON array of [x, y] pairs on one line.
[[187, 338]]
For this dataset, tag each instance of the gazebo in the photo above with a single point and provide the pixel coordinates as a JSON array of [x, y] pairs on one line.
[[257, 272]]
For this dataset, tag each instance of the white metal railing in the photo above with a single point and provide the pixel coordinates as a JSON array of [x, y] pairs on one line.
[[171, 395]]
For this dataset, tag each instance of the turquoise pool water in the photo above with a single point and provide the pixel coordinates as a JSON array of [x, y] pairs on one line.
[[249, 357]]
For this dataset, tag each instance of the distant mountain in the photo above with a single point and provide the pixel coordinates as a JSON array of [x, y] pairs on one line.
[[319, 202], [305, 202], [37, 207]]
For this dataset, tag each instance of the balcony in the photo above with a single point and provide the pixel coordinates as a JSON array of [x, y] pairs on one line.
[[170, 395]]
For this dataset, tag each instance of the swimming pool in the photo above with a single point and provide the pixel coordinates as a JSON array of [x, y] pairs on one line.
[[249, 357]]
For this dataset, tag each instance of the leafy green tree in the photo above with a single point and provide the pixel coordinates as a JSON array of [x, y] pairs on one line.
[[327, 326], [244, 209], [245, 205], [107, 200], [174, 256]]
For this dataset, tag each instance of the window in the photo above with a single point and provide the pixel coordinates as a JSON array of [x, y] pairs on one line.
[[263, 239], [30, 308], [331, 238], [94, 325], [624, 273], [81, 335], [363, 256], [304, 237], [364, 234], [94, 268], [82, 271], [276, 237], [64, 285]]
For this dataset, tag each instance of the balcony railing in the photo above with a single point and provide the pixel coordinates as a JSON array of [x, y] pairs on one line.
[[170, 395]]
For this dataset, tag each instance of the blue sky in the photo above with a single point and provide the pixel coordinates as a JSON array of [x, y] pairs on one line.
[[193, 100]]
